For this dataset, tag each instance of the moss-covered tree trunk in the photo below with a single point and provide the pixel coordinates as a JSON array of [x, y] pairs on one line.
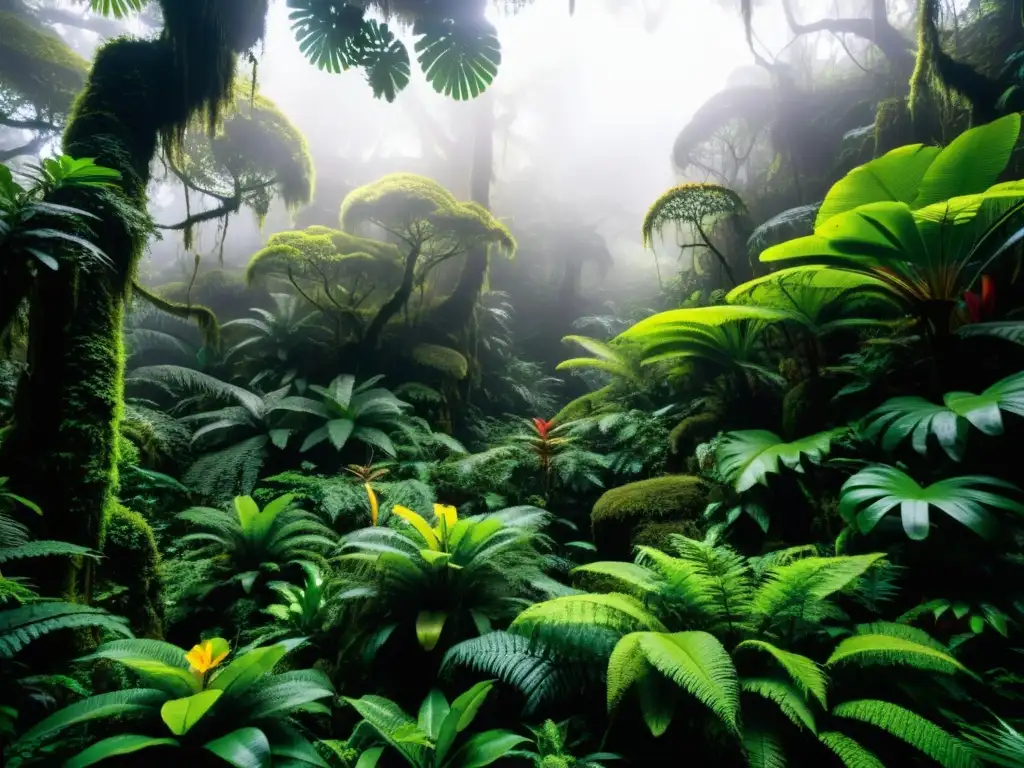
[[62, 453]]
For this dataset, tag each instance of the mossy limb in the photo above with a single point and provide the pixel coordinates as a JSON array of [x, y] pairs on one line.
[[621, 512], [446, 360]]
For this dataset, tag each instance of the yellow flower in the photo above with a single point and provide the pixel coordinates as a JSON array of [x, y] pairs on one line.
[[374, 506], [205, 656], [446, 514]]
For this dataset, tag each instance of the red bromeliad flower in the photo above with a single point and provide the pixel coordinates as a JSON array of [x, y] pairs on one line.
[[543, 427], [981, 307]]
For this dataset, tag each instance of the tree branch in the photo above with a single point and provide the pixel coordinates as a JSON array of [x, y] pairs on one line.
[[32, 147], [877, 30], [28, 125], [230, 205]]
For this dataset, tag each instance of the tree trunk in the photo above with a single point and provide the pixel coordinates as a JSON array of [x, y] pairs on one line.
[[455, 312], [392, 306], [62, 453]]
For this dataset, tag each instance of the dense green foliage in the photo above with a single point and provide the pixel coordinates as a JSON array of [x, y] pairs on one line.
[[306, 513]]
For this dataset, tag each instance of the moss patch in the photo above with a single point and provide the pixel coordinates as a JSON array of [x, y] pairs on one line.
[[132, 560], [444, 359], [657, 534], [621, 512], [694, 430]]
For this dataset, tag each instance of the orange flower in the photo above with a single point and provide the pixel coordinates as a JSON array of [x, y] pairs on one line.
[[205, 656]]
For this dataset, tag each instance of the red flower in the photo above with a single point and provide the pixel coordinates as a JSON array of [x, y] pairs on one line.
[[982, 307], [543, 427]]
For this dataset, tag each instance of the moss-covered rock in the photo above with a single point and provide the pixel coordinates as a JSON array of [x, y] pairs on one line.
[[131, 560], [657, 534], [805, 407], [696, 429], [621, 512]]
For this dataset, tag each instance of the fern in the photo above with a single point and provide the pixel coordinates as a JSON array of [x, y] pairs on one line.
[[615, 611], [786, 696], [763, 748], [27, 623], [849, 751], [45, 549], [804, 672], [694, 661], [895, 644], [922, 734], [536, 669], [1000, 745]]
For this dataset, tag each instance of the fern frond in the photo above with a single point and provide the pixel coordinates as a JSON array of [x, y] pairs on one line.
[[763, 748], [922, 734], [849, 751], [695, 661], [786, 696], [614, 610], [27, 623], [885, 650], [1002, 745], [804, 672], [42, 548]]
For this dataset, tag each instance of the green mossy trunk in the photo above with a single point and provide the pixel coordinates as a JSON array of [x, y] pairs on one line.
[[64, 446], [63, 450]]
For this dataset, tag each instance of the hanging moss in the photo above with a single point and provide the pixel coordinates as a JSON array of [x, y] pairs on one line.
[[444, 359], [621, 512], [203, 317], [38, 67], [132, 561]]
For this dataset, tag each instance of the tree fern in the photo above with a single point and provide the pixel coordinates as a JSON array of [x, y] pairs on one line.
[[27, 623], [922, 734]]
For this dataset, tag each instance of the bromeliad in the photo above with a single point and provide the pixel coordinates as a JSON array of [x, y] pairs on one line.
[[435, 537]]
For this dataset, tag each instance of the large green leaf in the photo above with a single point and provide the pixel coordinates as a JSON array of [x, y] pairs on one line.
[[463, 712], [247, 669], [948, 423], [159, 664], [746, 458], [328, 33], [244, 748], [896, 176], [485, 748], [115, 746], [433, 711], [876, 490], [459, 58], [181, 714], [385, 59], [132, 701], [971, 163], [804, 672]]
